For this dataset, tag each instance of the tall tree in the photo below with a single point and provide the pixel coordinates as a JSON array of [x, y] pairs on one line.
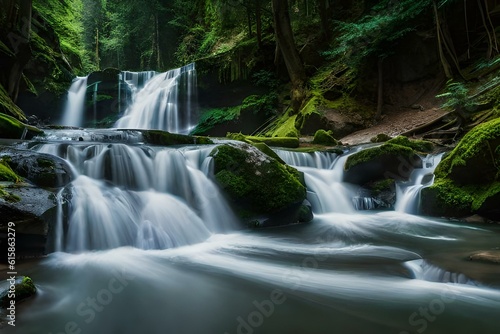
[[286, 44]]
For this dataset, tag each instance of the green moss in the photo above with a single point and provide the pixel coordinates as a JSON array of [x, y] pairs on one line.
[[163, 138], [7, 105], [268, 151], [380, 138], [6, 173], [211, 117], [284, 127], [8, 196], [13, 129], [375, 152], [24, 289], [289, 142], [382, 185], [467, 179], [476, 147], [254, 182], [417, 145], [323, 137]]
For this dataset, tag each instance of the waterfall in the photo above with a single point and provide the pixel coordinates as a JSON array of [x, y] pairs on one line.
[[161, 101], [75, 106], [139, 196], [324, 173], [408, 193]]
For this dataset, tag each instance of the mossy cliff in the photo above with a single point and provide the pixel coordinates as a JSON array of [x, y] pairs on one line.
[[256, 183], [11, 128], [467, 179]]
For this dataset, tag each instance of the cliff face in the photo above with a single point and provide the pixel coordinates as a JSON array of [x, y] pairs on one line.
[[34, 69]]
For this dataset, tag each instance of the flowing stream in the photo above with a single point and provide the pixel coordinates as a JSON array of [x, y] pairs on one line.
[[151, 246], [145, 242]]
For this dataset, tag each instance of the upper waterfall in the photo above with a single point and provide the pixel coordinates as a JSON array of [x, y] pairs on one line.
[[165, 102], [73, 111]]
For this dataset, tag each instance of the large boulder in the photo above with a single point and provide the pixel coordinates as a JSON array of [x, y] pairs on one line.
[[467, 179], [395, 159], [262, 189], [43, 170], [32, 210]]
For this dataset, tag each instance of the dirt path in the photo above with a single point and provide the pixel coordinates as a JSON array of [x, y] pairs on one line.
[[394, 123]]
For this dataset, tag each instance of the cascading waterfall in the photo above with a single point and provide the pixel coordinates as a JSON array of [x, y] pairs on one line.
[[132, 206], [139, 196], [164, 103], [324, 174], [408, 193], [75, 105]]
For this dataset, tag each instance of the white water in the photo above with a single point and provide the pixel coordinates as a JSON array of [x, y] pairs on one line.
[[164, 103], [408, 193], [138, 196], [183, 270], [75, 105], [324, 174]]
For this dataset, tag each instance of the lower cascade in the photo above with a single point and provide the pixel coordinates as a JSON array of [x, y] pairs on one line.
[[145, 231]]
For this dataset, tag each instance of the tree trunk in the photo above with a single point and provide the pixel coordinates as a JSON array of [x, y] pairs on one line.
[[323, 15], [158, 54], [380, 99], [258, 22], [249, 20], [97, 49], [444, 62], [285, 42]]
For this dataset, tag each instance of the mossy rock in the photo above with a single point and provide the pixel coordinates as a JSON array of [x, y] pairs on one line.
[[323, 137], [418, 145], [386, 161], [256, 183], [11, 128], [7, 105], [43, 170], [467, 179], [6, 173], [25, 288], [163, 138], [380, 138], [288, 142]]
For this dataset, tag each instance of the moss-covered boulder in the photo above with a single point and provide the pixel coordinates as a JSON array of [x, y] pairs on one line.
[[163, 138], [395, 160], [467, 179], [382, 162], [43, 170], [323, 137], [11, 128], [257, 184], [24, 288]]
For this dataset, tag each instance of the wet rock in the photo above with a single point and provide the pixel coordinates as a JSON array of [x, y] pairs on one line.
[[467, 178], [24, 288], [258, 185], [32, 213], [491, 256], [43, 170]]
